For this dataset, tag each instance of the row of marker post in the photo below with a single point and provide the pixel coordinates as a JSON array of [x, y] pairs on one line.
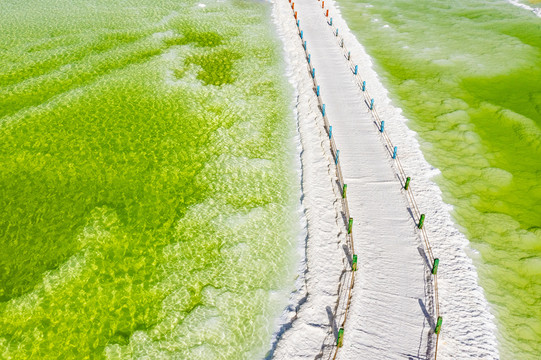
[[336, 155], [370, 103]]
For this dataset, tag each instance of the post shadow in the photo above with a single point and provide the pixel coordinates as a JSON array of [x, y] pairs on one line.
[[368, 105], [427, 315], [423, 255], [344, 217], [348, 255], [399, 180], [412, 216], [332, 323], [389, 151]]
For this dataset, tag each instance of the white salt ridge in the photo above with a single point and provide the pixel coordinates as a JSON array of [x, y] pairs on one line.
[[304, 325], [536, 11], [391, 314]]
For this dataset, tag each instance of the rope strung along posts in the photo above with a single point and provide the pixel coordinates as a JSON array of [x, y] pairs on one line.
[[336, 154], [381, 124]]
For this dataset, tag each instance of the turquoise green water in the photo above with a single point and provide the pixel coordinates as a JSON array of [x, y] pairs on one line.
[[146, 179], [466, 73]]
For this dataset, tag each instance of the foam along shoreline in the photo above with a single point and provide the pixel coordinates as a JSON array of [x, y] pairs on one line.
[[469, 329]]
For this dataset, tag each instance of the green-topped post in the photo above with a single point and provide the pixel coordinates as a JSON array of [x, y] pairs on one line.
[[408, 179], [438, 325], [421, 221], [340, 340], [435, 267]]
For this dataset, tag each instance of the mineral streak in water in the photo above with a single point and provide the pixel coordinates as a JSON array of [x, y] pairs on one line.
[[146, 180], [467, 74]]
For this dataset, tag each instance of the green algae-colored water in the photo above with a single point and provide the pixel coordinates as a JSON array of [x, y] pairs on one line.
[[467, 74], [146, 179]]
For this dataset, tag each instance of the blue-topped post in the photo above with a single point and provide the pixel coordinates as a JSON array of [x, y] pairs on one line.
[[331, 22], [364, 85], [323, 109], [309, 56], [330, 132], [356, 69], [317, 90], [372, 104], [394, 152], [298, 23], [382, 126], [349, 55], [302, 33], [336, 32], [313, 72], [304, 45], [337, 156]]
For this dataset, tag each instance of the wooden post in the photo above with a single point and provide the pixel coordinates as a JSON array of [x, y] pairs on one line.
[[340, 340], [421, 221], [406, 186]]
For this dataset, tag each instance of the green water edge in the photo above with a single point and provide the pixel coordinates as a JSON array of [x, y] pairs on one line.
[[466, 74], [147, 184]]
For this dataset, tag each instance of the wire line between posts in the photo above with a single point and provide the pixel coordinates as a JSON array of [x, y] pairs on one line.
[[379, 123], [335, 153]]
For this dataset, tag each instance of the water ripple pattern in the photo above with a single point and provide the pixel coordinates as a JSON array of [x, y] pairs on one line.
[[147, 181]]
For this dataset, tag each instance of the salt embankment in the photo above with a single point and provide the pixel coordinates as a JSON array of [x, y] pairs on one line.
[[392, 309]]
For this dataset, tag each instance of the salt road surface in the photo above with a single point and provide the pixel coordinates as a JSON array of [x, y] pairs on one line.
[[392, 307], [390, 297]]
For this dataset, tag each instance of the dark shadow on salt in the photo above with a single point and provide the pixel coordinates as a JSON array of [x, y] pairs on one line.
[[427, 315], [332, 322]]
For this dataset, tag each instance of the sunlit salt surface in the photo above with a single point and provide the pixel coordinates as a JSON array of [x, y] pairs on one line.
[[466, 73], [147, 182]]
